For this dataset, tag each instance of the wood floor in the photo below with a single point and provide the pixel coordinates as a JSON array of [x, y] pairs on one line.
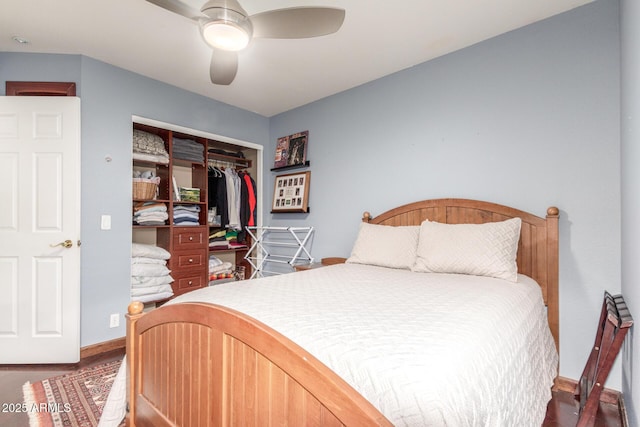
[[561, 412]]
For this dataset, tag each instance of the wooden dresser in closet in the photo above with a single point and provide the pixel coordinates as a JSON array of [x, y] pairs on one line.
[[189, 260]]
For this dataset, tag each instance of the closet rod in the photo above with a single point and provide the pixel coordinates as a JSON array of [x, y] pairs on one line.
[[221, 164], [224, 163]]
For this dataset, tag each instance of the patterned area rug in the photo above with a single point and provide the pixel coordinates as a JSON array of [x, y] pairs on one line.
[[72, 400]]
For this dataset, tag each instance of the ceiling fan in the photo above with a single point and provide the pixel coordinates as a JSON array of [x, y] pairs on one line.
[[227, 28]]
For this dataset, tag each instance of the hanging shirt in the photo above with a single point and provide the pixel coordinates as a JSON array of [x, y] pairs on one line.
[[249, 199], [233, 198], [217, 189]]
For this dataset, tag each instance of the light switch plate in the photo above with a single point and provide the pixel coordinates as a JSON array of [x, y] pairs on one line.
[[105, 222]]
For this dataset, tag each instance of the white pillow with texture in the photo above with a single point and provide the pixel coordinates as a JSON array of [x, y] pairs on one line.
[[488, 249], [385, 246]]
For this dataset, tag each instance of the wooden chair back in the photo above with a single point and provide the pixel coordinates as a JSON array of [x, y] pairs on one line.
[[615, 321]]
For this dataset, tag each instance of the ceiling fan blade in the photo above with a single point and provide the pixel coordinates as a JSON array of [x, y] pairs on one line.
[[178, 7], [224, 66], [297, 22]]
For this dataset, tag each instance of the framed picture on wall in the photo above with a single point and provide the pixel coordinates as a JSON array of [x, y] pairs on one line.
[[291, 150], [291, 193]]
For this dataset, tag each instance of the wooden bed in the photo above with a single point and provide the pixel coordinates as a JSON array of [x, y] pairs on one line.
[[205, 365]]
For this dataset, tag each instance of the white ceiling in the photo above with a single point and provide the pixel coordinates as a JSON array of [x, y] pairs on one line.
[[377, 38]]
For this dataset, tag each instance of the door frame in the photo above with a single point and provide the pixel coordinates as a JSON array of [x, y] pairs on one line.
[[16, 88]]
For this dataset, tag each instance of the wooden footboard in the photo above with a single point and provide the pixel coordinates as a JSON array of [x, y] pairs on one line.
[[197, 364]]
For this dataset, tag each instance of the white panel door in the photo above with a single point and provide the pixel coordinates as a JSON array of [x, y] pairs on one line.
[[39, 229]]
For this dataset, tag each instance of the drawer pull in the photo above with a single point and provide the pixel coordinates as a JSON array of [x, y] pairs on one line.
[[190, 282], [191, 238], [190, 260]]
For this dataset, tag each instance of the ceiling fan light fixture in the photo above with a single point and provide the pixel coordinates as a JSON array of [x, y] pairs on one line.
[[225, 35], [228, 28], [226, 25]]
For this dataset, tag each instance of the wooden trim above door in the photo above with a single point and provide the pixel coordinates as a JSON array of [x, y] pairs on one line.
[[40, 89]]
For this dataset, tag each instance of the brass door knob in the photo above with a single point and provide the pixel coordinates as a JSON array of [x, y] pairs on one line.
[[66, 244]]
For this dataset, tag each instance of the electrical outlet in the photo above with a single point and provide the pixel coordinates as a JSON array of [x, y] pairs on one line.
[[114, 320]]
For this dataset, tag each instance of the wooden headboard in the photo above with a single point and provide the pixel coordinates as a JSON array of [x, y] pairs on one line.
[[537, 248]]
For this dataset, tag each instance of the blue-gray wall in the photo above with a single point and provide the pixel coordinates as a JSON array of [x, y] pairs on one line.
[[630, 154], [109, 97], [528, 119]]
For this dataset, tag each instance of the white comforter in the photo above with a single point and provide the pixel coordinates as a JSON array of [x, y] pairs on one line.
[[425, 349]]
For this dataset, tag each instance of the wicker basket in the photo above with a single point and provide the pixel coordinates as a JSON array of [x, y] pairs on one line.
[[145, 189]]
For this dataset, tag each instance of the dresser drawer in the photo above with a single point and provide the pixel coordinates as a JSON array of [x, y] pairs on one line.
[[182, 260], [185, 238], [187, 282]]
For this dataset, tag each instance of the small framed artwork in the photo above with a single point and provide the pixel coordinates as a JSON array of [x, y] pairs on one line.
[[291, 150], [291, 193]]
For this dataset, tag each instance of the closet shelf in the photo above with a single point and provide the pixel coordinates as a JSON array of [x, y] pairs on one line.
[[149, 164], [186, 163], [187, 202], [244, 249], [237, 162], [151, 200]]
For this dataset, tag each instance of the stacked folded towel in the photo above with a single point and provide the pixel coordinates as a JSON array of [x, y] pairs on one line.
[[186, 215], [150, 277], [150, 213], [187, 149], [219, 270]]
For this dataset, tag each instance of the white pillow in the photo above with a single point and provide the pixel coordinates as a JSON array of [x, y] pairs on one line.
[[146, 260], [385, 246], [149, 251], [144, 281], [488, 249], [149, 270]]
